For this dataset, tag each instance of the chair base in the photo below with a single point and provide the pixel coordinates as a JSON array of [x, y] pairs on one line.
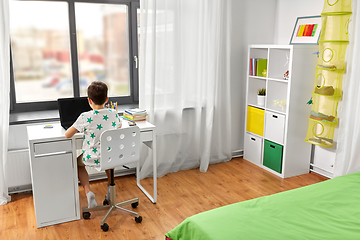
[[112, 207]]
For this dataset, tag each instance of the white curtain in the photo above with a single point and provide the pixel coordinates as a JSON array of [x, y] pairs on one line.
[[347, 158], [185, 81], [4, 95]]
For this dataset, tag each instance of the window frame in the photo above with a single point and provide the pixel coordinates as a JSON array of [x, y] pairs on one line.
[[133, 98]]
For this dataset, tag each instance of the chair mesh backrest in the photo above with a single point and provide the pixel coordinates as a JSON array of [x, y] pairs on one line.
[[119, 147]]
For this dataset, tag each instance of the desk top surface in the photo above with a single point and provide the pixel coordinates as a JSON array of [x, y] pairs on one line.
[[57, 132]]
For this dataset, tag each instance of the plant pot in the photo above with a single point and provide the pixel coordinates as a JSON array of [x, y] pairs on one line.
[[260, 100]]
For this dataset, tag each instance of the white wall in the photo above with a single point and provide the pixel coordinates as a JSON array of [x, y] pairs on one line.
[[288, 11], [253, 22]]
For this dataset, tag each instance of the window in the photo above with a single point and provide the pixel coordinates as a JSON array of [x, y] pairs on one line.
[[58, 47]]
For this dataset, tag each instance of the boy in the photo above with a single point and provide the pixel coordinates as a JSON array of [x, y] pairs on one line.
[[92, 124]]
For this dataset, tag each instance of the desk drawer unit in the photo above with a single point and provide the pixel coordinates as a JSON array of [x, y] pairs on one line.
[[52, 147], [53, 189], [54, 182]]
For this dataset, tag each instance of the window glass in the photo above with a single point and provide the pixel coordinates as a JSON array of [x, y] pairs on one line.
[[40, 45], [103, 46]]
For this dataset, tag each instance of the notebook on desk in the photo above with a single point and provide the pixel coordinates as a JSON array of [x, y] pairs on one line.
[[70, 109]]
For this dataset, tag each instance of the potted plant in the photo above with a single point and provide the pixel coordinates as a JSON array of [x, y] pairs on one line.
[[261, 96]]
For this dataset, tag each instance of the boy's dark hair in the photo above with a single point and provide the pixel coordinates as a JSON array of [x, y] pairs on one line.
[[97, 92]]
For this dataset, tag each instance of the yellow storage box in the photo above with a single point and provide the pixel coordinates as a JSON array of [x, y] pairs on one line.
[[335, 28], [255, 120]]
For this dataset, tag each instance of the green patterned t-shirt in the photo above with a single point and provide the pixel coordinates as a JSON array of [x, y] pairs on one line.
[[92, 124]]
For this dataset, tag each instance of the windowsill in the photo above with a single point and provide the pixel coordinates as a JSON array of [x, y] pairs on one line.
[[34, 117], [49, 115]]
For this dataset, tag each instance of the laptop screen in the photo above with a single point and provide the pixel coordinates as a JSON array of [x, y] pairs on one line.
[[71, 108]]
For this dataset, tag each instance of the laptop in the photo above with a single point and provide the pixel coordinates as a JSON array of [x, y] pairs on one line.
[[70, 109]]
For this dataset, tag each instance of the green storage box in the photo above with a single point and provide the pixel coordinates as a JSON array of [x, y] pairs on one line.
[[273, 153]]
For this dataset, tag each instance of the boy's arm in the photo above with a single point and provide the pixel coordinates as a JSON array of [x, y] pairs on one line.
[[70, 132]]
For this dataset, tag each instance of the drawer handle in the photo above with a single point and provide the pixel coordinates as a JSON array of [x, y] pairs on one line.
[[274, 116], [272, 146], [253, 139], [52, 154]]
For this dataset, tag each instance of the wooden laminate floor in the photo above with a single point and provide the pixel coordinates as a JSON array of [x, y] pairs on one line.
[[180, 195]]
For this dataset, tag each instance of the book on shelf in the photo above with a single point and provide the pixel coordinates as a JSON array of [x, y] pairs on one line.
[[261, 66], [254, 60], [251, 67]]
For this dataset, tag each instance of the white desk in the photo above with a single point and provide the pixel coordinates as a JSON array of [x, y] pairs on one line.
[[54, 171]]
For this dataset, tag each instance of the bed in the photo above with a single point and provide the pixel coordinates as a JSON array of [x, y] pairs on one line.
[[325, 210]]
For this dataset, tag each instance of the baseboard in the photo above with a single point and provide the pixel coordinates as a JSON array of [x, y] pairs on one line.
[[20, 189], [238, 153]]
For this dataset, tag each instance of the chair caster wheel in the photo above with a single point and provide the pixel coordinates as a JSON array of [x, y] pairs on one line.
[[106, 202], [135, 204], [138, 219], [86, 215], [105, 227]]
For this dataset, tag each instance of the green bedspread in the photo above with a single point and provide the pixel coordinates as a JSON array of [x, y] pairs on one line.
[[325, 210]]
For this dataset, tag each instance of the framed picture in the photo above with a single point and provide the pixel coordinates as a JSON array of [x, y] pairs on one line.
[[306, 30]]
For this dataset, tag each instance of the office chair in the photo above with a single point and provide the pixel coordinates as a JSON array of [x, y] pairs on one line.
[[118, 147]]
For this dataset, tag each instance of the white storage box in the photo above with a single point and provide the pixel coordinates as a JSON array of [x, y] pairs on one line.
[[253, 148], [274, 127]]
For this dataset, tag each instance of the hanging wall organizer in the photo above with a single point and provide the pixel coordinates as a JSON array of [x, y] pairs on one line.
[[329, 72]]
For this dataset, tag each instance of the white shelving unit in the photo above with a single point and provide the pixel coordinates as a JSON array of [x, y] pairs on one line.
[[274, 135]]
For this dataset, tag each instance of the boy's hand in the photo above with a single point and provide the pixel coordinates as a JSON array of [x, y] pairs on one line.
[[70, 132]]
